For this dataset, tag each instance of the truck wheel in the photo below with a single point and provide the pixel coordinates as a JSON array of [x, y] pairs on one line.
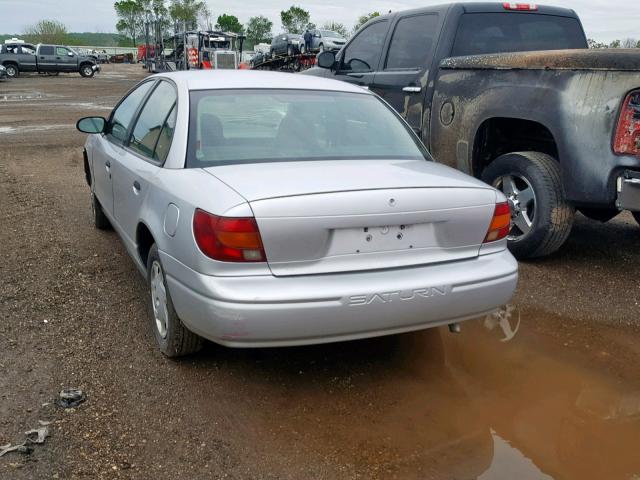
[[174, 339], [100, 220], [86, 70], [541, 217], [12, 70]]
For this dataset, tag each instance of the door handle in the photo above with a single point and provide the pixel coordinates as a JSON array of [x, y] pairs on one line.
[[412, 89], [107, 165], [136, 186]]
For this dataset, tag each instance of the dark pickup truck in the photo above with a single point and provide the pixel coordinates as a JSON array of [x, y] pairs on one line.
[[510, 93], [50, 59]]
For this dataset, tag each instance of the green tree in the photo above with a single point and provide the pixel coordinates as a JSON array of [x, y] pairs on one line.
[[593, 44], [47, 31], [187, 11], [229, 23], [295, 20], [615, 44], [364, 19], [259, 29], [336, 27], [638, 44], [130, 18]]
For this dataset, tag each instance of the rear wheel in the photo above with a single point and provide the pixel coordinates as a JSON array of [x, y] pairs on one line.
[[12, 70], [173, 338], [542, 218]]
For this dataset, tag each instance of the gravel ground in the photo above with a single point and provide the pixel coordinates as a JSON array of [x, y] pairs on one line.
[[561, 399]]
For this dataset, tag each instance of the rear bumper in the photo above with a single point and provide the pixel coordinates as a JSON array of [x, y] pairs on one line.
[[265, 311]]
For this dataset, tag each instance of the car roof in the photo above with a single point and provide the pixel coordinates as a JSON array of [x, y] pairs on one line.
[[252, 79]]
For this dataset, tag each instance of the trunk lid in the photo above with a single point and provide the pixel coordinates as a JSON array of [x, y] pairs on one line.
[[339, 216]]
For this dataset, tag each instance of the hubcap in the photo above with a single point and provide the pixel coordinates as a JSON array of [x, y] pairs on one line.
[[11, 71], [522, 202], [87, 71], [159, 299]]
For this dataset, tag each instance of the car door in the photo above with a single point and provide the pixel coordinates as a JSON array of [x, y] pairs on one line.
[[66, 60], [108, 147], [27, 58], [46, 58], [359, 60], [403, 79], [143, 156], [315, 40]]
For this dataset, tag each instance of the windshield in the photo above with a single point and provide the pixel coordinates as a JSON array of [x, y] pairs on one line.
[[329, 33], [480, 33], [249, 126]]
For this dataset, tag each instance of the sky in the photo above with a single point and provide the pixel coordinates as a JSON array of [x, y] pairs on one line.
[[604, 20]]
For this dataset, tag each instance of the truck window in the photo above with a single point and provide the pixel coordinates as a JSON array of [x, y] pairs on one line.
[[46, 50], [363, 53], [480, 33], [61, 51], [412, 42]]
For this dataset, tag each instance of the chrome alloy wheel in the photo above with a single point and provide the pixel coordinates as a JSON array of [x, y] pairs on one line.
[[159, 299], [522, 202]]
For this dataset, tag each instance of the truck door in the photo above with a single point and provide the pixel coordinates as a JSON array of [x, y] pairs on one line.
[[403, 78], [46, 58], [66, 60], [359, 59], [27, 58]]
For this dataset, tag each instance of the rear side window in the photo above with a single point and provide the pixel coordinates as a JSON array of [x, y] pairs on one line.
[[363, 53], [123, 114], [480, 33], [151, 121], [46, 50], [412, 42]]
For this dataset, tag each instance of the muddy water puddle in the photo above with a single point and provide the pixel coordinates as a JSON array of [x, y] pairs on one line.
[[494, 402]]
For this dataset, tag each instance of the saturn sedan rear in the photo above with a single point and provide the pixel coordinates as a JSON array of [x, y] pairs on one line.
[[265, 211]]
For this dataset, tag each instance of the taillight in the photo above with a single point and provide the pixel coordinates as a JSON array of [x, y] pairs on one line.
[[228, 239], [523, 7], [627, 139], [500, 223]]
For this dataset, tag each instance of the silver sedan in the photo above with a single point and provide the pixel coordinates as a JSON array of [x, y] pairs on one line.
[[266, 211]]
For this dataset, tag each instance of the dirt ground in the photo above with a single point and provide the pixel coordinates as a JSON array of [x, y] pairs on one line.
[[559, 399]]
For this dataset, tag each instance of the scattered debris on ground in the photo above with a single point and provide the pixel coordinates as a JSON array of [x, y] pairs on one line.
[[71, 398], [36, 436]]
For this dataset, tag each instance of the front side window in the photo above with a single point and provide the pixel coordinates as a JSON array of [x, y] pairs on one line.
[[412, 42], [250, 126], [363, 53], [152, 118], [61, 51], [123, 114]]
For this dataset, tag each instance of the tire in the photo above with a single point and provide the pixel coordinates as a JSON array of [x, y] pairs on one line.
[[542, 218], [173, 338], [100, 220], [12, 70], [87, 70], [636, 215]]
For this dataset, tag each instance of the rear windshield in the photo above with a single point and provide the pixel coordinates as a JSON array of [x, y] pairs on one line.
[[249, 126], [480, 33]]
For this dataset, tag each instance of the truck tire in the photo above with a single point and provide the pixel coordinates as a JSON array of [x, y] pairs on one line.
[[173, 338], [100, 220], [12, 70], [542, 218], [86, 70]]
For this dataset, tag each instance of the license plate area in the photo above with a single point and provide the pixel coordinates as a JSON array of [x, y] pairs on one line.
[[382, 238]]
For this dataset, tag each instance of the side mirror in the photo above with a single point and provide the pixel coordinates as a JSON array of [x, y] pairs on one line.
[[70, 54], [91, 124], [326, 59]]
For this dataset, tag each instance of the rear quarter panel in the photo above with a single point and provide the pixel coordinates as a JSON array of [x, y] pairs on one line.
[[579, 107]]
